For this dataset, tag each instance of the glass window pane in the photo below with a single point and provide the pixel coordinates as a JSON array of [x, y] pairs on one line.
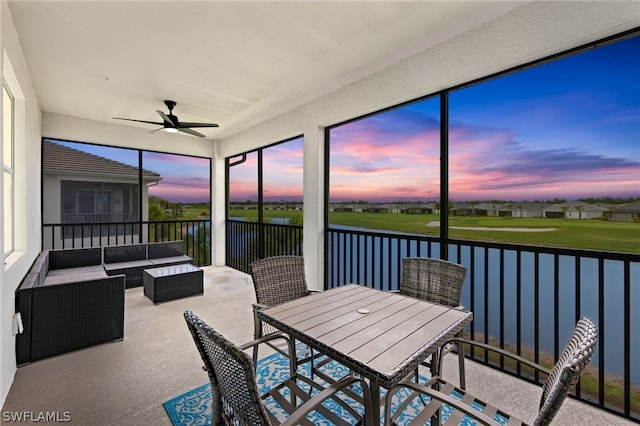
[[7, 123], [387, 164], [86, 202], [282, 175], [8, 213], [88, 181], [180, 187], [554, 142], [243, 187]]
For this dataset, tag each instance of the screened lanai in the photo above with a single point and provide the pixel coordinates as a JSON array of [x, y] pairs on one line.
[[310, 85]]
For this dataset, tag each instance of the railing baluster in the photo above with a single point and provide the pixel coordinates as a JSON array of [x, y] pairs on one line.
[[518, 308], [556, 306], [501, 304], [601, 332], [486, 300], [627, 339]]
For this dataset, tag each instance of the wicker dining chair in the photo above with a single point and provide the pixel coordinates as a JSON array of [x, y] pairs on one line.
[[236, 399], [560, 381], [436, 281], [276, 280]]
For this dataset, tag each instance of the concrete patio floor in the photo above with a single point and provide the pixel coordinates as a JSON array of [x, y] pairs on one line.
[[126, 382]]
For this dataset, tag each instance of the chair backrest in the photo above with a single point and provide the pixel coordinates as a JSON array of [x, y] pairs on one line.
[[566, 371], [279, 279], [235, 396], [434, 280]]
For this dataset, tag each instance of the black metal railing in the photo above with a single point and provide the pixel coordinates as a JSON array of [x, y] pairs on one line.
[[99, 217], [523, 298], [250, 241], [195, 233], [526, 299]]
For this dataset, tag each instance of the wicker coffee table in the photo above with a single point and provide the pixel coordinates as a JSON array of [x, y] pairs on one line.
[[172, 282]]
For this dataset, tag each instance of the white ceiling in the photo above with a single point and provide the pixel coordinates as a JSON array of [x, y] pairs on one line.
[[235, 63]]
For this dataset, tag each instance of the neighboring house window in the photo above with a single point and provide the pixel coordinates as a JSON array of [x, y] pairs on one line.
[[8, 171], [94, 203]]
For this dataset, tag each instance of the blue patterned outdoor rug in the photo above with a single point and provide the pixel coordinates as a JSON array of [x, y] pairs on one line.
[[194, 407]]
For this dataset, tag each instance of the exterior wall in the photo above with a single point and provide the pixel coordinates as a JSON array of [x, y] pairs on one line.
[[622, 216], [28, 220], [585, 214], [51, 199]]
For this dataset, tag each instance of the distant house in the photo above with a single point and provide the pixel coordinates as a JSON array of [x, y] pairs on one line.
[[574, 210], [528, 209], [463, 209], [378, 208], [624, 213], [341, 208], [83, 188], [484, 209], [421, 208]]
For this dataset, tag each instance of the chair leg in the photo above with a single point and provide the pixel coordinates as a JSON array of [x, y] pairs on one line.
[[255, 355], [461, 365], [257, 333]]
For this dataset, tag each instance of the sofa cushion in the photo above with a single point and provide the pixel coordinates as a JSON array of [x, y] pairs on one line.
[[174, 260], [166, 249], [74, 258], [128, 253], [109, 267], [79, 270], [74, 278]]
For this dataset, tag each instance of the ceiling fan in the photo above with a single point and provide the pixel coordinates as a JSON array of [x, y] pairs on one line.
[[171, 123]]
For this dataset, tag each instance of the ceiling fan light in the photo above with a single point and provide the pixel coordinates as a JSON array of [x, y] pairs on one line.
[[171, 130]]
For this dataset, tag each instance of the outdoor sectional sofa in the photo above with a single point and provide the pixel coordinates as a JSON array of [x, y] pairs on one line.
[[67, 302], [73, 298]]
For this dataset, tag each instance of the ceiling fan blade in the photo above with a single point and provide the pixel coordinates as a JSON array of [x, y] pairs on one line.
[[138, 121], [191, 132], [166, 118], [187, 124], [171, 123]]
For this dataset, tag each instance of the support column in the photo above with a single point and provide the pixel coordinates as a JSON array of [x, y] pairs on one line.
[[218, 228], [313, 244]]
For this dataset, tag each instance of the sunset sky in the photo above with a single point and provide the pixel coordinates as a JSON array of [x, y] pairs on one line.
[[566, 129]]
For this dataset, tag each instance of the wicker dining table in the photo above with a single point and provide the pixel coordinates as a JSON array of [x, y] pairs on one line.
[[379, 335]]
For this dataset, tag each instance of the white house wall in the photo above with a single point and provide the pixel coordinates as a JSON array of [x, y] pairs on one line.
[[28, 220]]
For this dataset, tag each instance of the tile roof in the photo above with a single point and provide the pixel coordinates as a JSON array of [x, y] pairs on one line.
[[627, 208], [58, 158]]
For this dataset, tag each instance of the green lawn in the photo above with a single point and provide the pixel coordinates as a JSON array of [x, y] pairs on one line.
[[194, 213], [571, 233], [582, 234]]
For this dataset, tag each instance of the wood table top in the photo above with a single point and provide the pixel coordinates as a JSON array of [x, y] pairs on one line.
[[380, 335]]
